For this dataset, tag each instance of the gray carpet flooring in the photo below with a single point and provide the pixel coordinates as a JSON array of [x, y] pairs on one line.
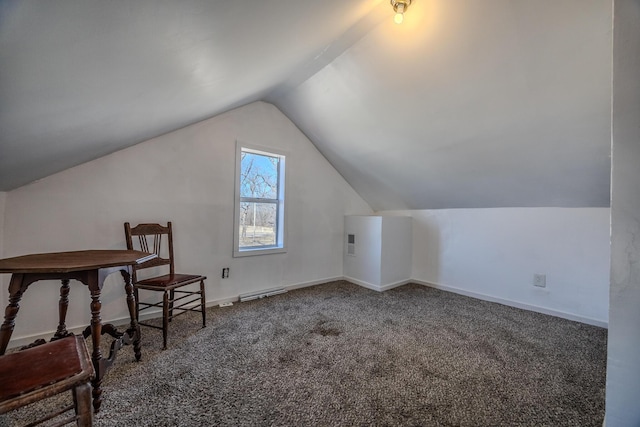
[[341, 355]]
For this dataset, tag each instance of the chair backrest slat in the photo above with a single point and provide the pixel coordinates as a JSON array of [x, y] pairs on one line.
[[144, 247], [144, 233], [157, 242]]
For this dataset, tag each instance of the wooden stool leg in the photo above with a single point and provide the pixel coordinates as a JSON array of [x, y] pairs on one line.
[[82, 401], [165, 318]]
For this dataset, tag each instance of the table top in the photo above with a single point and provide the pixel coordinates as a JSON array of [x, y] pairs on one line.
[[66, 262]]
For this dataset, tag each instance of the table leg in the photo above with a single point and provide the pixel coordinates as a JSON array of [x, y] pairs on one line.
[[96, 355], [134, 328], [62, 310], [16, 290]]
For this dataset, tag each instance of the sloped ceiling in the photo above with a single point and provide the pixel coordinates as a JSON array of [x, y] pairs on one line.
[[469, 103]]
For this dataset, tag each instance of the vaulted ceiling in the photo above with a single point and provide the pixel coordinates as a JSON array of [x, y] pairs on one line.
[[468, 103]]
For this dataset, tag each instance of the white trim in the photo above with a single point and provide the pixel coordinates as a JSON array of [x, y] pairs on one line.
[[259, 251], [313, 283], [373, 287], [484, 297], [516, 304], [77, 330], [395, 285], [124, 321], [363, 284], [282, 210], [120, 323]]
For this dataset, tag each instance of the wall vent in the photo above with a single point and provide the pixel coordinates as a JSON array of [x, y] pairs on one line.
[[351, 244]]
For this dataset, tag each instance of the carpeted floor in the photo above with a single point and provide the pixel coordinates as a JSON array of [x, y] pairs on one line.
[[341, 355]]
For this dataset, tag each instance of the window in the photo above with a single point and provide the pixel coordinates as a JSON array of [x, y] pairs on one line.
[[259, 217]]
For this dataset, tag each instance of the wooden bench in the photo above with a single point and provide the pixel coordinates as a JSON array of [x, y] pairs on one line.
[[36, 373]]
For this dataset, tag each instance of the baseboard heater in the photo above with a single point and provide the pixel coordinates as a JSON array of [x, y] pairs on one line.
[[262, 294]]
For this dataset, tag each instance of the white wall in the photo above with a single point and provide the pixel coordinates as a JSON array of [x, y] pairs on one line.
[[623, 367], [382, 257], [364, 266], [186, 176], [396, 255], [494, 253]]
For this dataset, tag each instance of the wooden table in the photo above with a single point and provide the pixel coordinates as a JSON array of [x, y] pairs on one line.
[[90, 268]]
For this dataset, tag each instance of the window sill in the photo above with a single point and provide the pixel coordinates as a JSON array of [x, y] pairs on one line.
[[258, 251]]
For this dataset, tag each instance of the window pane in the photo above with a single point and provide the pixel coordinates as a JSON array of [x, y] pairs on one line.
[[257, 224], [258, 176]]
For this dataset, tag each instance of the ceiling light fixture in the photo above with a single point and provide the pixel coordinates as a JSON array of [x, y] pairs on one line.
[[400, 7]]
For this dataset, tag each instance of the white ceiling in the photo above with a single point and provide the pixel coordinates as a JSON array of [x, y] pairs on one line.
[[467, 104]]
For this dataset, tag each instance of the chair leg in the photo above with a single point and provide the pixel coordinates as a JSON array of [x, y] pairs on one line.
[[202, 304], [82, 403], [165, 318], [172, 297]]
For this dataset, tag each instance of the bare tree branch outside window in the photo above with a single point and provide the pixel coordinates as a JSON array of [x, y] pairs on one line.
[[259, 199]]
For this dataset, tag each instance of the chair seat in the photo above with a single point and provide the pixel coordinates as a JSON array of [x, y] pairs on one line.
[[45, 364], [169, 281], [36, 373]]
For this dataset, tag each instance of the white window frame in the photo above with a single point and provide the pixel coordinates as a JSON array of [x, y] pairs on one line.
[[281, 214]]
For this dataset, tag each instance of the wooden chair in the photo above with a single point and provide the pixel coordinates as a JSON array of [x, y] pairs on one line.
[[169, 284], [39, 372]]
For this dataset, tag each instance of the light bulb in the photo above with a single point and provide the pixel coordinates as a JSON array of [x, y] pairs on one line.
[[399, 14]]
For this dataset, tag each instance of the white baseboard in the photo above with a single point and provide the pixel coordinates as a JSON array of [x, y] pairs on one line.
[[376, 287], [19, 341], [395, 285], [363, 284], [27, 339], [313, 283], [516, 304], [121, 323]]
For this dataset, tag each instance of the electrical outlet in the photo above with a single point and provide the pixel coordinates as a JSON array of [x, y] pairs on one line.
[[540, 280], [225, 273]]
